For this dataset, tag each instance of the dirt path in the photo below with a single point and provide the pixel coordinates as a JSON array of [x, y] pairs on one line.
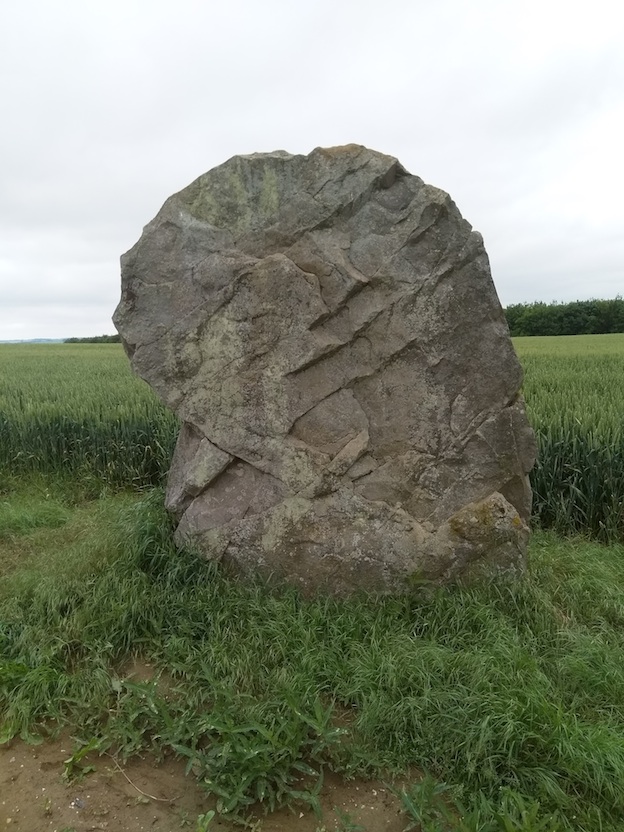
[[147, 796]]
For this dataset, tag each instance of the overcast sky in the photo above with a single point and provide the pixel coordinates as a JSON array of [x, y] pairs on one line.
[[515, 108]]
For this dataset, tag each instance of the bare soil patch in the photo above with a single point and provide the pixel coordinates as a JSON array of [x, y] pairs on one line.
[[147, 795]]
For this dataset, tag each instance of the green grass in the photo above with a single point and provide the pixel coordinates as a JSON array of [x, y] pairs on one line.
[[513, 687], [50, 526], [30, 513], [510, 697]]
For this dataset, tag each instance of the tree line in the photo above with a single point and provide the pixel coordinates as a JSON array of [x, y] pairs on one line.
[[580, 317], [95, 339]]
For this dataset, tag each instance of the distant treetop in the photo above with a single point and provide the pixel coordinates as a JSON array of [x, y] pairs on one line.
[[95, 339], [580, 317]]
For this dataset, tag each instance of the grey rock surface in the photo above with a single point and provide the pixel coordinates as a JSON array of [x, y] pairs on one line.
[[327, 329]]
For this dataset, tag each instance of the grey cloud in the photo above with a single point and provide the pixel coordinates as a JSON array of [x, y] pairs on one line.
[[109, 108]]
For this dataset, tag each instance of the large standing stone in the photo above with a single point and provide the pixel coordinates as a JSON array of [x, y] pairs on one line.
[[327, 329]]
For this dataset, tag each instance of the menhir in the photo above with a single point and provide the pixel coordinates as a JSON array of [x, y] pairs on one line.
[[327, 330]]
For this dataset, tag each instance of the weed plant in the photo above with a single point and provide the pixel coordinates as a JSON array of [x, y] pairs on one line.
[[513, 690]]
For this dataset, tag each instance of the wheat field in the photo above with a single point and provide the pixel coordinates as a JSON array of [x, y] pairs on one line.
[[77, 409]]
